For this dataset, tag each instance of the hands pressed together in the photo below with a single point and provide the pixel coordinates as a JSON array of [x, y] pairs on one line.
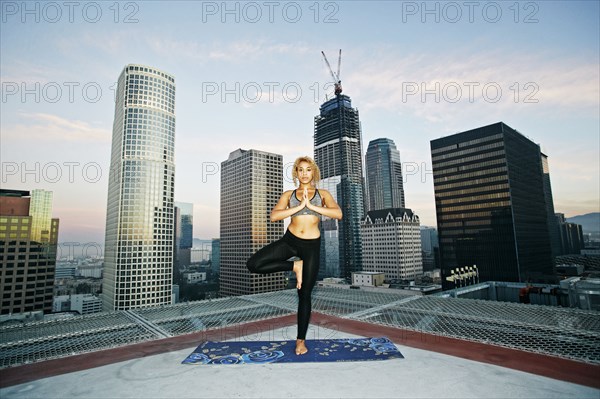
[[305, 200]]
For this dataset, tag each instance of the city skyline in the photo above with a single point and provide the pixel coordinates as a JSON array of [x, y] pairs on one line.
[[58, 84]]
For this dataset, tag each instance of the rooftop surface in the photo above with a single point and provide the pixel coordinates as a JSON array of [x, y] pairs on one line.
[[453, 348]]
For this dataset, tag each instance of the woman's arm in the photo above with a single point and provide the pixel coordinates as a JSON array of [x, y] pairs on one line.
[[331, 208], [281, 210]]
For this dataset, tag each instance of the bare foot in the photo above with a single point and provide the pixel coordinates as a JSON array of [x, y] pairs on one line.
[[298, 270], [301, 349]]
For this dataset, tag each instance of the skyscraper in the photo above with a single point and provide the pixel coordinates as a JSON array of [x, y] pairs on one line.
[[40, 209], [28, 244], [430, 248], [552, 222], [384, 175], [184, 232], [251, 184], [138, 259], [491, 205], [215, 257], [187, 224], [330, 238], [338, 153]]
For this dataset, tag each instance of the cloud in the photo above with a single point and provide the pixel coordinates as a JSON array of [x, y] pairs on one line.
[[53, 128], [237, 52], [438, 88], [19, 71], [112, 42]]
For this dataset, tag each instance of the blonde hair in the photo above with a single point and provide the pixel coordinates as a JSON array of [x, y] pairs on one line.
[[315, 167]]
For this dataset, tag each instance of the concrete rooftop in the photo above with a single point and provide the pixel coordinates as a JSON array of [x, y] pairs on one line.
[[435, 365]]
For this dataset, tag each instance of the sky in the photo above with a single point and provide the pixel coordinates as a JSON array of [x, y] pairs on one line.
[[251, 75]]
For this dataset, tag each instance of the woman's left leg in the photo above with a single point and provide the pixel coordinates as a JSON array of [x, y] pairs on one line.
[[272, 258]]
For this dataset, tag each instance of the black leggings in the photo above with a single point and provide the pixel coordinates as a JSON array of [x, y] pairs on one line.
[[273, 258]]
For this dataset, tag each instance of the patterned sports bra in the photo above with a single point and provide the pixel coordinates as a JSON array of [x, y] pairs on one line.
[[315, 200]]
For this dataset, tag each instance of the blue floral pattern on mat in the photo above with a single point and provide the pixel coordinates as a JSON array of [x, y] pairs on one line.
[[262, 356], [322, 350]]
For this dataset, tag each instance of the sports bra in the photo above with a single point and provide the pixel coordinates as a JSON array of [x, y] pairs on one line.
[[315, 200]]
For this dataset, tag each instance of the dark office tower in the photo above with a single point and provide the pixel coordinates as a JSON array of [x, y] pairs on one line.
[[430, 248], [177, 272], [183, 237], [338, 152], [215, 259], [491, 205], [187, 224], [138, 257], [184, 229], [28, 243], [552, 222], [251, 184], [384, 175]]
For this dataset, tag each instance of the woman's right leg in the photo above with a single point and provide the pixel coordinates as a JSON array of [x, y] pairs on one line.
[[272, 258]]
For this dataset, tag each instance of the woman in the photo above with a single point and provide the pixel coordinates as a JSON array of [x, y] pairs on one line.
[[305, 205]]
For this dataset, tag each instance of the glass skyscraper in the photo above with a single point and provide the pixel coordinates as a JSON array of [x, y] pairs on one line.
[[28, 246], [330, 242], [215, 259], [384, 175], [40, 208], [338, 153], [138, 258], [430, 248], [251, 184], [183, 239], [491, 205], [186, 225]]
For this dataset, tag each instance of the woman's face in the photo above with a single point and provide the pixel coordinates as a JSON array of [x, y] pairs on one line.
[[305, 172]]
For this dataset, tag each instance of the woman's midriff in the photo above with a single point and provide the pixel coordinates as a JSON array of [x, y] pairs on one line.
[[305, 226]]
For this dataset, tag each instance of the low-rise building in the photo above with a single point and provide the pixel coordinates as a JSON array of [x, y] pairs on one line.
[[369, 279], [391, 243]]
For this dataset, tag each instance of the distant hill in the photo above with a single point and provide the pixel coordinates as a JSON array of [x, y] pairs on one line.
[[589, 222]]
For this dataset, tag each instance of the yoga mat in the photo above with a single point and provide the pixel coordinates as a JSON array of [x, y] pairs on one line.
[[319, 350]]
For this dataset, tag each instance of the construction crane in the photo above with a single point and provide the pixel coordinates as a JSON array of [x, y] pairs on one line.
[[336, 76]]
